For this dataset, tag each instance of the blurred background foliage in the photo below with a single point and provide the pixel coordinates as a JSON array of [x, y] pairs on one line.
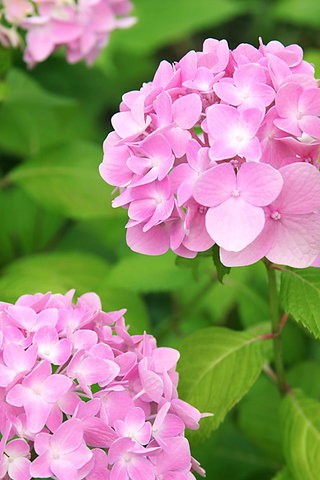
[[58, 230]]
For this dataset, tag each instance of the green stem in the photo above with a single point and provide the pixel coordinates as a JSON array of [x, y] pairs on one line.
[[275, 322]]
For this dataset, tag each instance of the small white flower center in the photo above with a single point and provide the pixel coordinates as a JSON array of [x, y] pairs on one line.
[[275, 215], [202, 209], [235, 193]]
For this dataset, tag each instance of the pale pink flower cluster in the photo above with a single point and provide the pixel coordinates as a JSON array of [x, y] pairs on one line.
[[82, 26], [72, 377], [222, 147]]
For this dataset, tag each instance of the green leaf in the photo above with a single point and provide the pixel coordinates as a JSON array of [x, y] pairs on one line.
[[143, 273], [32, 118], [25, 227], [305, 375], [55, 272], [222, 270], [283, 475], [163, 23], [66, 180], [300, 425], [227, 454], [300, 296], [297, 12], [224, 365], [258, 417]]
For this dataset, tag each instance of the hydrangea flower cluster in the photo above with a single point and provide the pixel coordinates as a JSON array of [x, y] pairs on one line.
[[82, 26], [72, 377], [222, 147]]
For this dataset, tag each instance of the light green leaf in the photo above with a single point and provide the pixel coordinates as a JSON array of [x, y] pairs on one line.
[[66, 180], [300, 425], [300, 296], [55, 272], [283, 475], [165, 22], [217, 367], [142, 273], [297, 12]]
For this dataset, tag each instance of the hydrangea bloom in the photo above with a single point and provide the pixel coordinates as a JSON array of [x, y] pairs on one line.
[[83, 26], [72, 377], [222, 147]]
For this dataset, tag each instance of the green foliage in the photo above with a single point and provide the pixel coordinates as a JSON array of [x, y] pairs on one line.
[[147, 273], [283, 475], [55, 272], [222, 270], [300, 296], [299, 13], [162, 23], [65, 180], [258, 417], [300, 424], [224, 365], [59, 231]]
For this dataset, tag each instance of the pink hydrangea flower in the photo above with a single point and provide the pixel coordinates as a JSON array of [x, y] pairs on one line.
[[200, 154], [87, 399], [82, 26]]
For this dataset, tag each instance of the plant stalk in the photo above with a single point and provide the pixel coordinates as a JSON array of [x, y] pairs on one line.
[[275, 322]]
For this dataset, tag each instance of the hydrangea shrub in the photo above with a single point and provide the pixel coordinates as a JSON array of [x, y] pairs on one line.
[[222, 147], [83, 26], [83, 399]]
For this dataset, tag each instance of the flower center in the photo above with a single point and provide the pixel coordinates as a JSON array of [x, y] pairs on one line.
[[235, 193], [202, 209], [275, 215]]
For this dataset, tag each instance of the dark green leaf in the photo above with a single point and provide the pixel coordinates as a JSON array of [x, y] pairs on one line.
[[222, 270]]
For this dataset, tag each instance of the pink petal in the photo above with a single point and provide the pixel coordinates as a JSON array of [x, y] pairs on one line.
[[259, 183], [114, 169], [63, 469], [228, 92], [186, 110], [40, 467], [250, 148], [19, 469], [120, 446], [301, 189], [135, 419], [235, 223], [165, 358], [254, 251], [155, 241], [215, 185], [309, 102], [140, 469], [40, 43], [152, 384], [37, 410], [54, 387], [296, 240], [310, 125], [222, 120], [68, 437]]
